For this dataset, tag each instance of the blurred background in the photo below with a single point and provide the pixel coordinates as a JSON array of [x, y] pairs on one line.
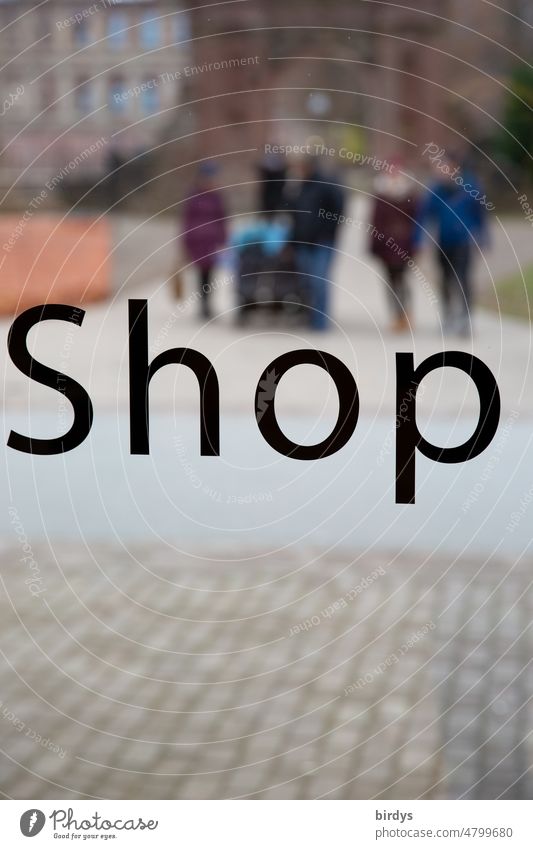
[[179, 626], [233, 76]]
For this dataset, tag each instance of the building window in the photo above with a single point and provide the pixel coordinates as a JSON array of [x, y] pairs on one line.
[[182, 26], [83, 96], [117, 29], [150, 95], [42, 24], [48, 92], [150, 32], [81, 33], [9, 15], [117, 94]]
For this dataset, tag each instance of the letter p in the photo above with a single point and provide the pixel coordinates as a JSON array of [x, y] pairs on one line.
[[408, 437]]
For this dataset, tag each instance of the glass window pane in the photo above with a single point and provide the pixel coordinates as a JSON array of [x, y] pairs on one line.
[[182, 26], [117, 29], [43, 25], [83, 96], [150, 95], [48, 92], [150, 31], [81, 33], [117, 95]]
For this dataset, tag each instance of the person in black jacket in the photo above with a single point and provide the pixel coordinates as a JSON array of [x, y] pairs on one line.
[[316, 211], [272, 172]]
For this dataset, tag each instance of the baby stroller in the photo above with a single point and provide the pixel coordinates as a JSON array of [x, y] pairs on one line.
[[267, 281]]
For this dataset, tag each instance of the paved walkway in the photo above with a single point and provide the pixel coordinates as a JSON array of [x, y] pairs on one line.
[[135, 673]]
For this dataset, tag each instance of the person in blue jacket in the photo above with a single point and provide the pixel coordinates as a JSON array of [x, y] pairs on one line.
[[455, 210]]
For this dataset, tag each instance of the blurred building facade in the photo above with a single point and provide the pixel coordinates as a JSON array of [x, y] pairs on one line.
[[227, 78], [427, 70], [84, 82]]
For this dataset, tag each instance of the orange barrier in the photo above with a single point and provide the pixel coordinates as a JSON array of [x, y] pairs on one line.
[[46, 260]]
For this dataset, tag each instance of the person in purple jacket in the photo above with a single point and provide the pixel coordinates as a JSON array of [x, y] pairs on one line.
[[204, 230]]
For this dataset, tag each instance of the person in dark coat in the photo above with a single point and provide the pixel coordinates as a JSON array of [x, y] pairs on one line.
[[455, 207], [392, 235], [272, 172], [204, 228], [316, 211]]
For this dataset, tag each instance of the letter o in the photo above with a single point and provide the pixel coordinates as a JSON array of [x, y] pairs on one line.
[[348, 404]]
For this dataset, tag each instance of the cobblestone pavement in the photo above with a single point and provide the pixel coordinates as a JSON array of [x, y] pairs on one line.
[[153, 673]]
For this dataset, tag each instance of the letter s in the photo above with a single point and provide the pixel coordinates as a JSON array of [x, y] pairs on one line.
[[76, 394]]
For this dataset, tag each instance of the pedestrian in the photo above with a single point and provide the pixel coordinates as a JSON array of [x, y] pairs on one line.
[[272, 172], [204, 226], [316, 211], [454, 207], [392, 236]]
